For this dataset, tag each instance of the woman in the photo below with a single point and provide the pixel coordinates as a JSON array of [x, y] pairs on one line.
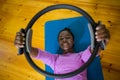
[[68, 61]]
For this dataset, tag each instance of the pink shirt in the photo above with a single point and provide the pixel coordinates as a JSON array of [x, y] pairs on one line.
[[64, 63]]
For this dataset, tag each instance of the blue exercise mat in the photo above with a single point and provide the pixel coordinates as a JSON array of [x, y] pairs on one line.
[[79, 27]]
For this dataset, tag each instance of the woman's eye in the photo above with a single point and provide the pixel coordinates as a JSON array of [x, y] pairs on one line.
[[60, 38], [67, 37]]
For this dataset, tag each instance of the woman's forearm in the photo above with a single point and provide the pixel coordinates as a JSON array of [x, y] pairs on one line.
[[34, 52]]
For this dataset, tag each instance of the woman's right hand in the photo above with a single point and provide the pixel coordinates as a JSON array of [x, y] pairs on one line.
[[19, 40]]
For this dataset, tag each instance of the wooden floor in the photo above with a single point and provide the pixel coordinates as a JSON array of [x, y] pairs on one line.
[[15, 14]]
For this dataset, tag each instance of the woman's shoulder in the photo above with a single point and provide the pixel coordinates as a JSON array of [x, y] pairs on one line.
[[86, 50]]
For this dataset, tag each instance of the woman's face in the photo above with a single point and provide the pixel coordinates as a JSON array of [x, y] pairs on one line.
[[66, 41]]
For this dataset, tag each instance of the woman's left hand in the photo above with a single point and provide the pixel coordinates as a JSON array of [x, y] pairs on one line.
[[102, 33]]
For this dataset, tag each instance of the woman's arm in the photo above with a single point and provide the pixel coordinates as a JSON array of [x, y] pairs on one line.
[[46, 57], [34, 52], [20, 41]]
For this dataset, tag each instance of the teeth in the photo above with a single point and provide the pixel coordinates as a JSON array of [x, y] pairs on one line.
[[65, 44]]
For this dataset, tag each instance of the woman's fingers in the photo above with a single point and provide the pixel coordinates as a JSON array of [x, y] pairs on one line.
[[19, 40], [102, 33]]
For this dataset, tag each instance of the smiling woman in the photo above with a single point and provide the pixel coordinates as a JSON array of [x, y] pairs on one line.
[[66, 40], [20, 40], [15, 14]]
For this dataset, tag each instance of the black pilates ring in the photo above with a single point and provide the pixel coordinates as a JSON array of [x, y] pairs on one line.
[[62, 6]]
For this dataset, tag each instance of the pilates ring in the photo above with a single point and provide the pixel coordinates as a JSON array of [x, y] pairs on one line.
[[28, 31]]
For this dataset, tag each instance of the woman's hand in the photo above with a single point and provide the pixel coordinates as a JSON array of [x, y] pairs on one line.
[[20, 41], [102, 33]]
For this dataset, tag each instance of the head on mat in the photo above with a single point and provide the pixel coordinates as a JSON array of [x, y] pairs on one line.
[[66, 40]]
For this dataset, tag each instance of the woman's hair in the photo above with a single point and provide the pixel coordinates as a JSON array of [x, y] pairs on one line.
[[66, 29]]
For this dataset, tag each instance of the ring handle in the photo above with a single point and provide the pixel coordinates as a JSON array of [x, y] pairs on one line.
[[102, 43], [29, 40]]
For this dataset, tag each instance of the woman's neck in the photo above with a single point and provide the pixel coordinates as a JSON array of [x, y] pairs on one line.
[[68, 51]]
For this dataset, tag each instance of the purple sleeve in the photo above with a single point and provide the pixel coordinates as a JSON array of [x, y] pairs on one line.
[[86, 54], [46, 57]]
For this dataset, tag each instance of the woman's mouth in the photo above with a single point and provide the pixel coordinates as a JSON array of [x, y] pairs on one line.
[[65, 46]]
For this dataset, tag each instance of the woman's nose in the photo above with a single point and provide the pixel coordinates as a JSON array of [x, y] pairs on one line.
[[64, 40]]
